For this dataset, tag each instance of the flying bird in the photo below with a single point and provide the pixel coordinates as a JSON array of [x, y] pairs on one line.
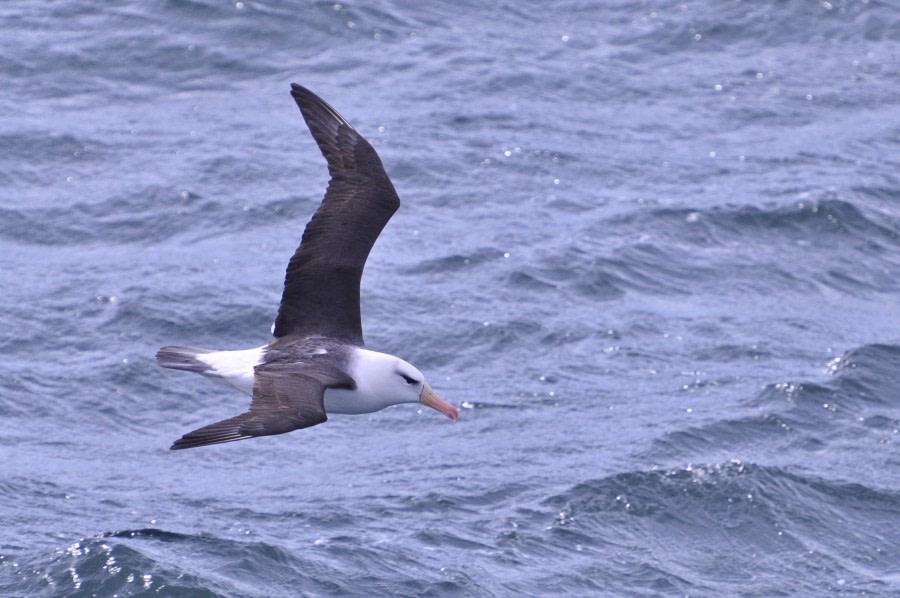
[[317, 363]]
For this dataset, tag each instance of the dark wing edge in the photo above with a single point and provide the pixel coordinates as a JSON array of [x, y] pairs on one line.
[[247, 425], [282, 402], [321, 287]]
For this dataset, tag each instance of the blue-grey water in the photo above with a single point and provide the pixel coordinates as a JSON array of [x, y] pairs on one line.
[[651, 248]]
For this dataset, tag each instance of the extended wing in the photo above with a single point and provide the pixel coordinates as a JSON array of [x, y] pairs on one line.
[[321, 287], [283, 401]]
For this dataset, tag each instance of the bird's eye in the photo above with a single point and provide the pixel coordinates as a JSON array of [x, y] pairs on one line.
[[408, 379]]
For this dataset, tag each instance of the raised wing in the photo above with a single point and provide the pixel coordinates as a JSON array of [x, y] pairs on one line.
[[321, 287]]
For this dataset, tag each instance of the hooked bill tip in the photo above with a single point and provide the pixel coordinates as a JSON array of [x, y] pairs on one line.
[[430, 399]]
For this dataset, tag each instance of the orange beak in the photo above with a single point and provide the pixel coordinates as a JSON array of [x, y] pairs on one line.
[[428, 398]]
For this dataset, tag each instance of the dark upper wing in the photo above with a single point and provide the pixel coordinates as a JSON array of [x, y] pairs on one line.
[[321, 287], [283, 401]]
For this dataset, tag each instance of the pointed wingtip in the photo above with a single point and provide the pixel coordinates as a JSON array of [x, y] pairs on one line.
[[297, 89], [183, 443], [187, 443], [302, 96], [317, 112], [212, 434]]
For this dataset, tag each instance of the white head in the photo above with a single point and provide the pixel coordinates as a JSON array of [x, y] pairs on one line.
[[383, 380]]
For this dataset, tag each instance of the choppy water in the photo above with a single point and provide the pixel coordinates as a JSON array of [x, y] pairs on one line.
[[651, 249]]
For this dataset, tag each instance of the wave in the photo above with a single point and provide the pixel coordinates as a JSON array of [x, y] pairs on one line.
[[712, 528], [707, 529], [737, 26], [145, 217], [756, 249], [155, 561], [859, 400], [819, 221], [149, 561]]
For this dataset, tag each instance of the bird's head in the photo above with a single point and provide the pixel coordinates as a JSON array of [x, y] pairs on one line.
[[416, 389], [385, 380]]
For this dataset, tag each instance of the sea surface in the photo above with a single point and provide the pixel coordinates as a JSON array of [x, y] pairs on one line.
[[650, 248]]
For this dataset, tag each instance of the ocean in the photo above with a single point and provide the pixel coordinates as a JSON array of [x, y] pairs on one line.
[[650, 249]]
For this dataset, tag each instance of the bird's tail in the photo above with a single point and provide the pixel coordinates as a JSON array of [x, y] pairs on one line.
[[183, 358]]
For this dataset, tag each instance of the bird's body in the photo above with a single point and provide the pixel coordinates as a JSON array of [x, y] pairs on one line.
[[317, 363]]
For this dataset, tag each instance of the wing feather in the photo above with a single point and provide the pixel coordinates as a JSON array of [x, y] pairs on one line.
[[283, 401], [321, 287]]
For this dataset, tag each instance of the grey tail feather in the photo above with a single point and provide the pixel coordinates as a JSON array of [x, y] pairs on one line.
[[182, 358]]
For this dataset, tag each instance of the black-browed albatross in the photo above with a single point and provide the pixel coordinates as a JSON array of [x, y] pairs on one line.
[[317, 364]]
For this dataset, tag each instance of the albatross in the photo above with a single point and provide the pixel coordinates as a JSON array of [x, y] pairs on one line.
[[317, 363]]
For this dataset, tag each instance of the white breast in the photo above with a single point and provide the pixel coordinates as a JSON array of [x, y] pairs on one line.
[[348, 402]]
